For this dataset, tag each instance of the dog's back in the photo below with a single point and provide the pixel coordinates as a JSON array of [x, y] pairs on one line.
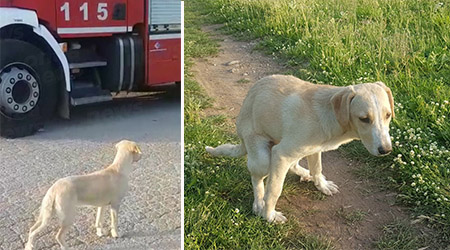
[[264, 107]]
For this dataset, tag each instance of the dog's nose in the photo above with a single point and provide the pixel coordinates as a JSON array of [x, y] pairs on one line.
[[384, 151]]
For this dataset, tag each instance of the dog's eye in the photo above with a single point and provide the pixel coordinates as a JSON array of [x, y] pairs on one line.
[[365, 119], [388, 115]]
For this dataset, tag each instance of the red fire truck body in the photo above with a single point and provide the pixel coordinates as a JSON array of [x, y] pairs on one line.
[[59, 53]]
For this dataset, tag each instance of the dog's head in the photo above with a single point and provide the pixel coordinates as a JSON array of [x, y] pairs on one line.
[[368, 109], [131, 147]]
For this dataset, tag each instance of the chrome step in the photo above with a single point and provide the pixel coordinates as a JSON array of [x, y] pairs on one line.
[[85, 92], [84, 58], [82, 65], [90, 99]]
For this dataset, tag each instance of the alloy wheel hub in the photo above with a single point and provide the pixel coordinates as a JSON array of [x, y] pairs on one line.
[[19, 90]]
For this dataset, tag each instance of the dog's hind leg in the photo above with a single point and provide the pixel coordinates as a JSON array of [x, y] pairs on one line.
[[66, 211], [282, 158], [99, 221], [66, 217], [114, 220], [37, 228], [300, 171], [258, 161], [36, 225], [258, 193], [60, 236], [315, 166]]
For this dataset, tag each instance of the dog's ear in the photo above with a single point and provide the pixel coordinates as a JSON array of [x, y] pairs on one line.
[[389, 93], [341, 105], [137, 150]]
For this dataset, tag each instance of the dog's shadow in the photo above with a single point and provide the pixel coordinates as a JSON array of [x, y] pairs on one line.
[[136, 234]]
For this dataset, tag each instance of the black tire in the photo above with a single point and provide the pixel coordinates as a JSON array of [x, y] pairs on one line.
[[14, 125]]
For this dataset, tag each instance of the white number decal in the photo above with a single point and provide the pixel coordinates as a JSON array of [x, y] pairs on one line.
[[84, 8], [102, 11], [65, 8]]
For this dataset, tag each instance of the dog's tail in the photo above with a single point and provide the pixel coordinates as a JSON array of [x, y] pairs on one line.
[[47, 205], [227, 150], [44, 216]]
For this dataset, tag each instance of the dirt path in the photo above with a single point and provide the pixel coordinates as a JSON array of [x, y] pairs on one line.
[[351, 219]]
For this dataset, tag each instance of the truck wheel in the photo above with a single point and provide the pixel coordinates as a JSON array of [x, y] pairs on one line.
[[28, 88]]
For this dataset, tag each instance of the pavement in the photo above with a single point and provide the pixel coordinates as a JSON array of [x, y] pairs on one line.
[[149, 216]]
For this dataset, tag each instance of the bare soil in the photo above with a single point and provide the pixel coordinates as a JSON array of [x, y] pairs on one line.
[[351, 219]]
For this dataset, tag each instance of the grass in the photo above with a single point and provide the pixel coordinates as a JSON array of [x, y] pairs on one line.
[[405, 44], [351, 217], [218, 192], [399, 236], [243, 80]]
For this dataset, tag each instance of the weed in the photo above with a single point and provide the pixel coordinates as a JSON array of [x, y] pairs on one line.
[[243, 80], [351, 217], [399, 236]]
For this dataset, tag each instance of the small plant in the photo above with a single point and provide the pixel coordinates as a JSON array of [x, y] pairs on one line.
[[399, 236], [351, 217], [243, 80]]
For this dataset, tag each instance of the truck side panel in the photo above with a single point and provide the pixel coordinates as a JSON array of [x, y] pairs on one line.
[[164, 59]]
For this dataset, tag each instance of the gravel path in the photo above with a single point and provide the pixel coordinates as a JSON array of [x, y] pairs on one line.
[[150, 215]]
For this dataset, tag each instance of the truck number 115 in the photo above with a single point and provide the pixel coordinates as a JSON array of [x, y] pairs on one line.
[[102, 11]]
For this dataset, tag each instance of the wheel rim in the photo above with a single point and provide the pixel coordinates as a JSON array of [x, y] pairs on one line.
[[19, 88]]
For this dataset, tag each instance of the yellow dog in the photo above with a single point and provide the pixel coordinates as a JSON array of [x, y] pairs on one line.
[[101, 188]]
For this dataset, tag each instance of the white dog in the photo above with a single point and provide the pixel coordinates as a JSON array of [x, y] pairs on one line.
[[284, 119], [101, 188]]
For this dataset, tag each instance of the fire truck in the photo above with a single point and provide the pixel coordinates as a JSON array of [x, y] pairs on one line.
[[57, 54]]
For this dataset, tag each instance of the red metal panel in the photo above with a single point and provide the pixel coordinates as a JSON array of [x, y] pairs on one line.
[[84, 18], [67, 14], [45, 9], [164, 64], [136, 10]]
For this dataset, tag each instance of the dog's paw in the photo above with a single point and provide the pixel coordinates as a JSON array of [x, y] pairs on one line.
[[258, 207], [276, 217], [114, 233], [28, 246], [327, 187], [101, 232], [306, 178]]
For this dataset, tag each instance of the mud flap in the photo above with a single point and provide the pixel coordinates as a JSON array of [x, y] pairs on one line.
[[63, 106]]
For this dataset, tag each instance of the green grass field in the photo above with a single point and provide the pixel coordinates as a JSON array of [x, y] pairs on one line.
[[405, 44]]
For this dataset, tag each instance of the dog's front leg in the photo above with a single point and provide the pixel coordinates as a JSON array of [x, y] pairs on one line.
[[99, 221], [114, 220], [279, 166], [315, 166]]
